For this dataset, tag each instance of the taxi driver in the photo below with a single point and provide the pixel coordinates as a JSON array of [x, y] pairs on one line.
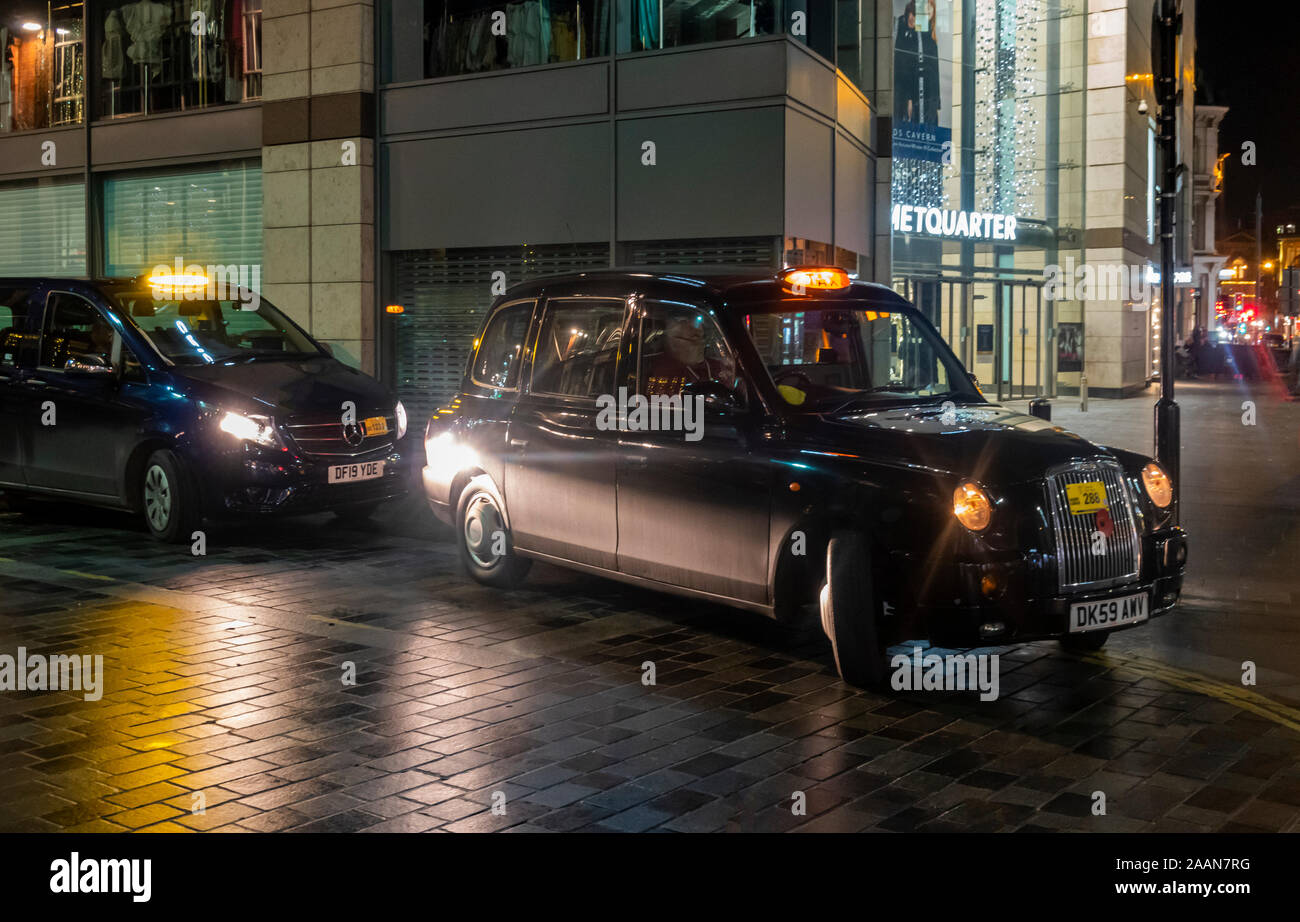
[[683, 359]]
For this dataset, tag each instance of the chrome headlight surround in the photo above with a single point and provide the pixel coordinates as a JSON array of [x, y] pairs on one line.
[[400, 413]]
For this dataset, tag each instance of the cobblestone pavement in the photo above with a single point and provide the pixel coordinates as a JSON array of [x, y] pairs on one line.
[[223, 684]]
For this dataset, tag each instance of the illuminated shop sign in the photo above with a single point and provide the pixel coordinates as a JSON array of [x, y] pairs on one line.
[[943, 222], [1181, 276]]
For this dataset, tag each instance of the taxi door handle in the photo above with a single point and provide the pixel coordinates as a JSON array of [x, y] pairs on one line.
[[518, 443]]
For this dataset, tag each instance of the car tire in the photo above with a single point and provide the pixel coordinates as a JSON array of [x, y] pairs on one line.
[[848, 609], [168, 498], [1085, 643], [355, 515], [481, 529]]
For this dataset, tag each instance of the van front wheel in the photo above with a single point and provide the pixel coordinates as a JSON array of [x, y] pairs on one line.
[[168, 498]]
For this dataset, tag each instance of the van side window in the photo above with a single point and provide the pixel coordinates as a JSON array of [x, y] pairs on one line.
[[17, 338], [74, 329], [577, 348], [496, 364]]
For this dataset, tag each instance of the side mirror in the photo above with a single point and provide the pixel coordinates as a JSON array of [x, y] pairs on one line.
[[88, 366], [717, 396], [327, 349]]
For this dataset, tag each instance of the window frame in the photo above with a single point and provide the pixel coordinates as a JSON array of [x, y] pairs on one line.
[[29, 306], [524, 345], [642, 306], [47, 319], [620, 371]]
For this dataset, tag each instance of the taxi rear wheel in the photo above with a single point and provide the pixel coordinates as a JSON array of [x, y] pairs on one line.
[[168, 499], [848, 608], [483, 540], [1085, 643]]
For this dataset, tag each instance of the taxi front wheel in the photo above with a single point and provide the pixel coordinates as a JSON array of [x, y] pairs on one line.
[[483, 539], [168, 498], [848, 607]]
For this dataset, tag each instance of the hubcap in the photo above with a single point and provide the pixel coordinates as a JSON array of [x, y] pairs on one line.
[[482, 523], [157, 498]]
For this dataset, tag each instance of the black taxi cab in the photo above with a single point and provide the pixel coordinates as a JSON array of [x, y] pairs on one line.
[[792, 443]]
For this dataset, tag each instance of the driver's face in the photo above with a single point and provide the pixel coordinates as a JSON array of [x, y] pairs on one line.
[[101, 334], [686, 342]]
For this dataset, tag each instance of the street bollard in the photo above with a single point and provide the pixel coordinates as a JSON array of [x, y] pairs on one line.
[[1083, 393], [1041, 407]]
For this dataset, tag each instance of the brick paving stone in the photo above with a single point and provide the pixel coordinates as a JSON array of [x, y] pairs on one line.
[[465, 691]]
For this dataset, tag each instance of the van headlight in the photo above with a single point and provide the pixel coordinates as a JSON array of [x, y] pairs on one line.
[[1158, 485], [257, 429], [400, 412]]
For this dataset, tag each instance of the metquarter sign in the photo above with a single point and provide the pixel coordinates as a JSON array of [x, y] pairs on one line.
[[943, 222]]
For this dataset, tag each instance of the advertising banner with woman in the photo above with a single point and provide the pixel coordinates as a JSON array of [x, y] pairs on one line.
[[922, 79]]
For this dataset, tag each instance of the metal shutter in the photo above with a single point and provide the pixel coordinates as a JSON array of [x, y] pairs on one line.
[[210, 217], [43, 228], [444, 293], [733, 251]]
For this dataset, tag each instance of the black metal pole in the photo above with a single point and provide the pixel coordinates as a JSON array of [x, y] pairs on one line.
[[1167, 417]]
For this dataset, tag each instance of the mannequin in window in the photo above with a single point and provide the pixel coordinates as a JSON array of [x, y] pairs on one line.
[[206, 49], [6, 88], [113, 61], [146, 22]]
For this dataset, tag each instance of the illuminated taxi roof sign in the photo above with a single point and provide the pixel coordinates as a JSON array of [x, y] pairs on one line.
[[823, 278], [180, 282]]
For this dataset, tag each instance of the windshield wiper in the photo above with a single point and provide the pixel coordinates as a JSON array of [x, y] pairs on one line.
[[865, 393]]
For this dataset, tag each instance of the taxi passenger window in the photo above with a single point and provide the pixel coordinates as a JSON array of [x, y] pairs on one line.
[[75, 330], [577, 348], [17, 341], [496, 364]]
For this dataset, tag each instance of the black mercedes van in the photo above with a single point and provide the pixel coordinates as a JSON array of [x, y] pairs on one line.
[[170, 397]]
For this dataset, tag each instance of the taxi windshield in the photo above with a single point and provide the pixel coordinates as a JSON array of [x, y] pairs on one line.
[[832, 358], [190, 331]]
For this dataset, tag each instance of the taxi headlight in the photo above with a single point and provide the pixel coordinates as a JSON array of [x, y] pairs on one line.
[[400, 413], [971, 506], [1158, 485], [257, 429]]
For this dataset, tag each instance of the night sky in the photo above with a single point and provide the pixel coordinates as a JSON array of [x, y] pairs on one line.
[[1247, 60]]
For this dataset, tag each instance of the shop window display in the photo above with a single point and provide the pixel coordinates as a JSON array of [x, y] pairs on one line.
[[177, 55], [470, 36], [649, 24], [42, 66]]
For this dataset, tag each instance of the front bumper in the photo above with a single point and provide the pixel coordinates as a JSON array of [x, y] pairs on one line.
[[254, 481], [1024, 604]]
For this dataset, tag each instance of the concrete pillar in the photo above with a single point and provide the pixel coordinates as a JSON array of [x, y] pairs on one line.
[[318, 161]]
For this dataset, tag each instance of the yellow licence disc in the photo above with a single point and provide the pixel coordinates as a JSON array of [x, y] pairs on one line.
[[1086, 497], [377, 425]]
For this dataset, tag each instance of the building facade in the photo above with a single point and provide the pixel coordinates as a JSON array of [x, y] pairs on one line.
[[1207, 187], [383, 169]]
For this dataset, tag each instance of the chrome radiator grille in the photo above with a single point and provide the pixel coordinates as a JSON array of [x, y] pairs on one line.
[[327, 437], [1077, 566]]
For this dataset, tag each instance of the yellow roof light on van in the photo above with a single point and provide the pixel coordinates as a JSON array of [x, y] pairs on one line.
[[178, 282], [818, 278]]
